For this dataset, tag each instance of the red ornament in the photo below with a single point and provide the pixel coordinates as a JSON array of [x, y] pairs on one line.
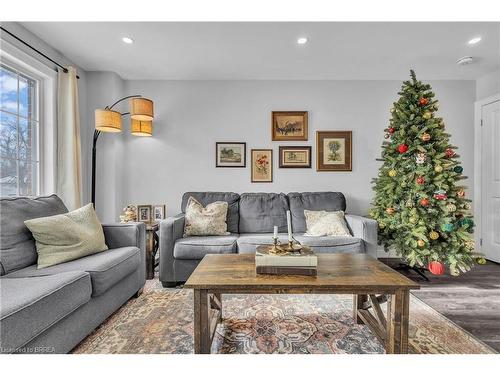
[[391, 130], [449, 153], [402, 148], [424, 202], [420, 180], [423, 101], [436, 268]]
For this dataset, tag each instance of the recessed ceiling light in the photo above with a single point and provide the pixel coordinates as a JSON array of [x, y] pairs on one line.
[[127, 40], [475, 40], [302, 40]]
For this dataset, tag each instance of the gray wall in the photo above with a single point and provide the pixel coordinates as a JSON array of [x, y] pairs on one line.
[[488, 85], [192, 115]]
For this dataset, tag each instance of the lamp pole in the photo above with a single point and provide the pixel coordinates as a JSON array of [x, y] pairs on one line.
[[94, 144]]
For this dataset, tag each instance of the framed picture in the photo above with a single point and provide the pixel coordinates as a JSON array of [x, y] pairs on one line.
[[262, 165], [334, 150], [230, 154], [144, 213], [159, 212], [295, 156], [289, 126]]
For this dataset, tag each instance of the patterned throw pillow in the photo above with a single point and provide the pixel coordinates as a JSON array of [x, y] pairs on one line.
[[205, 221], [323, 223]]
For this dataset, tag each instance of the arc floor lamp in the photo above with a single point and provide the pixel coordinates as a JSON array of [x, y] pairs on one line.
[[110, 121]]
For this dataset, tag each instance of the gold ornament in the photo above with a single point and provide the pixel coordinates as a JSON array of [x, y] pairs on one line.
[[434, 235], [392, 173], [467, 206], [421, 243], [426, 137], [469, 244], [381, 225], [427, 115], [481, 261], [438, 169], [389, 210], [451, 207]]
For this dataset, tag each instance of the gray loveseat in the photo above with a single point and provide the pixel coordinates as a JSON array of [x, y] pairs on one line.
[[250, 220], [52, 309]]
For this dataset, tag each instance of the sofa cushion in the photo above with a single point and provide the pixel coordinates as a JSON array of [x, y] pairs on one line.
[[17, 246], [317, 201], [260, 212], [198, 247], [248, 242], [31, 305], [105, 269], [333, 244], [206, 198]]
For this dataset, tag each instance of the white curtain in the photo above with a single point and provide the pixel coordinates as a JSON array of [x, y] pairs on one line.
[[69, 180]]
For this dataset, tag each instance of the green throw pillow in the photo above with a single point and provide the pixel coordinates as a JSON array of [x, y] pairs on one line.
[[65, 237]]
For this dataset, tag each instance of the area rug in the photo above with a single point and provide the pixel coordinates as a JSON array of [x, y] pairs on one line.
[[161, 321]]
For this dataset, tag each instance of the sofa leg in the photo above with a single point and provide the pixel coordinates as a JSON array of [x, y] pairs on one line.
[[168, 284], [138, 293]]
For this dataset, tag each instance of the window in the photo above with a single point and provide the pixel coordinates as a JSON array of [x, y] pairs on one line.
[[19, 133]]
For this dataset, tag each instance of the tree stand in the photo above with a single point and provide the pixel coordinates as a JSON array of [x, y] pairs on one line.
[[418, 270]]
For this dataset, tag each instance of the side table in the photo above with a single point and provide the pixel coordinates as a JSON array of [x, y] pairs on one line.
[[152, 245]]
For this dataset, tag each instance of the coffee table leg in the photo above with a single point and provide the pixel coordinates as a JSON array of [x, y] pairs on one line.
[[357, 304], [202, 340], [398, 308]]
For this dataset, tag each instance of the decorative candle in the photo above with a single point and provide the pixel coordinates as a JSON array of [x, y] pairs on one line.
[[289, 225], [275, 232]]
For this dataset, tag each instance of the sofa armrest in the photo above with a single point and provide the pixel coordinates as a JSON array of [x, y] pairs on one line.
[[128, 234], [171, 229], [366, 229]]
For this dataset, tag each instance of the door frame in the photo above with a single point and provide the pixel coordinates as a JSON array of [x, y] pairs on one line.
[[478, 105]]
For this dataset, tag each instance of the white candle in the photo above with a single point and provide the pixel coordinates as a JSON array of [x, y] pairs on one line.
[[275, 232], [289, 225]]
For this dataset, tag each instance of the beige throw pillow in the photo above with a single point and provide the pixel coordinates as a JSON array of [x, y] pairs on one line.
[[65, 237], [323, 223], [205, 221]]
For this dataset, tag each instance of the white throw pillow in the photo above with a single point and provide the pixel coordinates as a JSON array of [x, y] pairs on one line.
[[323, 223], [205, 221]]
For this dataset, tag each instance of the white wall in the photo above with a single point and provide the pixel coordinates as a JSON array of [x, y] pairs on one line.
[[190, 116], [488, 85]]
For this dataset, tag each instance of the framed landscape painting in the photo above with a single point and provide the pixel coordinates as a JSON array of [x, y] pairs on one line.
[[295, 156], [262, 165], [334, 150], [230, 154], [289, 126]]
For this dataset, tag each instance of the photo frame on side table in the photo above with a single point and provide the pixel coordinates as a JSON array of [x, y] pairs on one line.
[[262, 165], [289, 126], [159, 212], [334, 151], [295, 156], [144, 213], [230, 154]]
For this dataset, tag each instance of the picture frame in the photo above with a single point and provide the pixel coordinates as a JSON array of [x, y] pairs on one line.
[[230, 154], [289, 126], [159, 212], [144, 212], [334, 151], [262, 165], [295, 156]]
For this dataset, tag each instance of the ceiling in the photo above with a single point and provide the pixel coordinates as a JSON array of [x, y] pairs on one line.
[[256, 50]]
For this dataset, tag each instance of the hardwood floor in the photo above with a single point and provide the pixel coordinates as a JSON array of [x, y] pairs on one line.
[[472, 300]]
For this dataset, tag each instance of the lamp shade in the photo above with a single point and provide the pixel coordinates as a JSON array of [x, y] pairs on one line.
[[141, 128], [141, 109], [107, 120]]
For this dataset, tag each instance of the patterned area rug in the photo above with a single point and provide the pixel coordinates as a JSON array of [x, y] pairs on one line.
[[161, 321]]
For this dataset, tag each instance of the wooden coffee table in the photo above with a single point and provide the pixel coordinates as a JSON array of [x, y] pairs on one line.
[[370, 281]]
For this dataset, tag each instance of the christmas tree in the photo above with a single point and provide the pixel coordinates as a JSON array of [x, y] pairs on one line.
[[420, 204]]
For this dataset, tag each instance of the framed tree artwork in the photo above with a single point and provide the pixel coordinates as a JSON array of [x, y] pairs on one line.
[[289, 126], [334, 151], [262, 165], [230, 154], [295, 156]]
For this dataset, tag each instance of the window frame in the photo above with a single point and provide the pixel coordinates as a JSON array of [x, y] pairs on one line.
[[17, 59]]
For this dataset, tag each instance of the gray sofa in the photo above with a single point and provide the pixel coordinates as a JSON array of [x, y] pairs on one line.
[[250, 220], [52, 309]]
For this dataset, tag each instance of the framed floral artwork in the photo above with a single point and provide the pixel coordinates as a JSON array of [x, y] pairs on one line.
[[144, 213], [289, 126], [295, 156], [262, 165], [334, 150], [230, 154]]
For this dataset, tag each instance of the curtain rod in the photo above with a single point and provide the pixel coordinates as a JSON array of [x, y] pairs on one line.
[[65, 70]]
